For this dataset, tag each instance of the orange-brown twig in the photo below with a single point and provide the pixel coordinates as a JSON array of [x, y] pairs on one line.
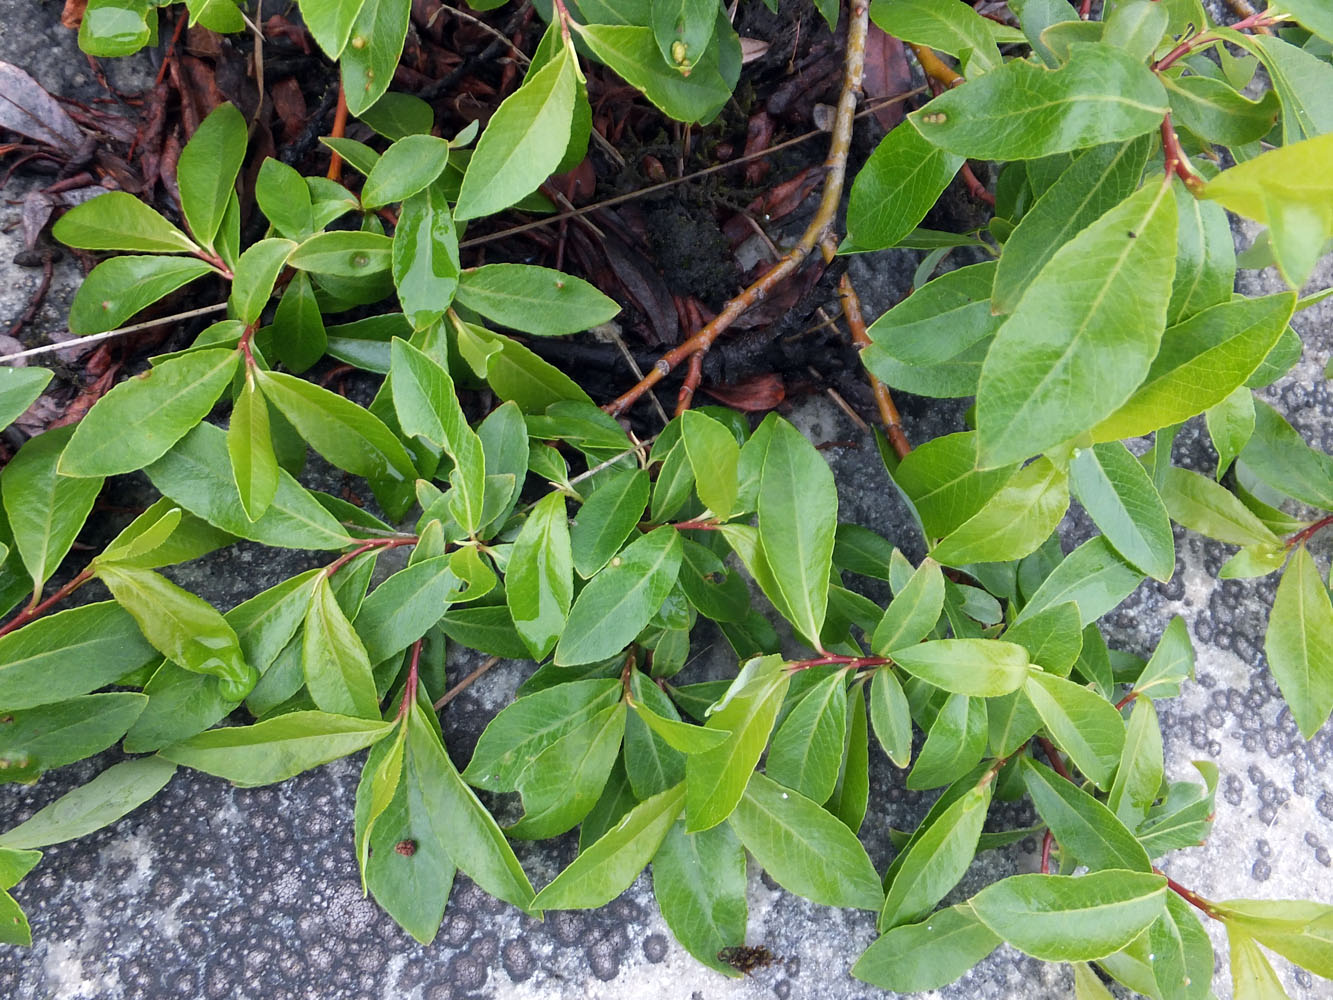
[[819, 225], [936, 68], [337, 132], [888, 412]]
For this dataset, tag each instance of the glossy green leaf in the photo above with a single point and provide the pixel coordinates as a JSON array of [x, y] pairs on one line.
[[1298, 930], [1279, 456], [607, 867], [333, 659], [534, 299], [562, 783], [713, 454], [1139, 776], [1053, 637], [1063, 918], [981, 667], [513, 371], [942, 480], [1299, 643], [620, 600], [1093, 576], [803, 848], [343, 254], [936, 859], [425, 257], [680, 735], [539, 585], [256, 273], [1084, 334], [207, 170], [1116, 492], [119, 221], [299, 337], [1022, 111], [368, 67], [196, 475], [683, 29], [716, 780], [807, 747], [139, 420], [1216, 112], [955, 30], [118, 288], [278, 748], [1201, 361], [891, 717], [913, 612], [1013, 522], [70, 653], [699, 882], [406, 167], [1172, 662], [1081, 824], [282, 194], [114, 793], [46, 510], [524, 141], [1230, 424], [254, 465], [1252, 976], [330, 22], [607, 518], [1201, 505], [19, 389], [1205, 257], [929, 954], [892, 193], [1082, 723], [400, 610], [48, 736], [954, 743]]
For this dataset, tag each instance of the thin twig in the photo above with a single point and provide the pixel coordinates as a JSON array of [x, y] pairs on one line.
[[337, 132], [94, 338], [836, 163], [490, 30], [466, 682]]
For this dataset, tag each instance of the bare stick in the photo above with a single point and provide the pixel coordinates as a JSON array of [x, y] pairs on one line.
[[110, 334]]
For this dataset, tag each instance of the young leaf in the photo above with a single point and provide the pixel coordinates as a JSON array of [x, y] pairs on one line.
[[254, 465], [425, 257], [1139, 776], [70, 653], [406, 167], [299, 337], [1084, 334], [1022, 111], [1093, 576], [891, 717], [1298, 930], [1083, 724], [699, 883], [114, 793], [607, 518], [892, 193], [139, 420], [46, 510], [798, 507], [119, 221], [278, 748], [1201, 505], [19, 389], [118, 288], [936, 858], [539, 585], [1059, 918], [1230, 424], [1120, 498], [534, 299], [954, 744], [335, 664], [807, 747], [524, 142], [1252, 975], [1172, 661], [929, 954], [1012, 523], [981, 667], [913, 612], [803, 848], [282, 195], [1299, 643], [713, 454], [612, 609], [207, 170], [605, 869], [1081, 824]]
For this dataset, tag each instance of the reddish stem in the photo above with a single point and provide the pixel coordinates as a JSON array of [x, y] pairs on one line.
[[337, 132], [1189, 896], [374, 543], [1047, 840], [975, 188], [1085, 11], [1176, 160], [41, 607], [410, 688], [696, 526], [1053, 755], [1126, 700], [1303, 536], [850, 662]]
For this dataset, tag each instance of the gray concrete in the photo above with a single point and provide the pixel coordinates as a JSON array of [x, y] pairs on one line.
[[211, 891]]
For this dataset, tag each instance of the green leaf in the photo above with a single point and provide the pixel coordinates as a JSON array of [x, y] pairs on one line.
[[562, 783], [15, 864], [19, 389], [114, 793], [981, 667], [196, 475], [207, 170], [1082, 723], [330, 22], [699, 882], [1279, 456], [1205, 257], [851, 792], [803, 848], [344, 254], [513, 371], [254, 465], [1059, 918], [182, 627], [1299, 643], [683, 29], [46, 510], [1252, 977], [378, 787], [534, 299], [936, 859], [1012, 523], [1298, 930], [713, 454], [1172, 661], [1202, 505], [139, 420], [899, 183], [1084, 334], [929, 954], [1096, 182], [1082, 825], [612, 609], [1116, 492], [955, 742], [1230, 424], [406, 167], [807, 747], [523, 729], [524, 141], [368, 67], [118, 288], [1139, 776], [943, 482], [278, 748], [1053, 637], [38, 739], [403, 608], [798, 507], [119, 221], [913, 612], [716, 780], [607, 518], [256, 273], [112, 28], [70, 653], [891, 717], [1022, 111], [958, 31], [606, 868], [539, 584], [1216, 112], [333, 659], [299, 337], [1093, 576], [283, 196], [425, 256], [1201, 362], [350, 437]]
